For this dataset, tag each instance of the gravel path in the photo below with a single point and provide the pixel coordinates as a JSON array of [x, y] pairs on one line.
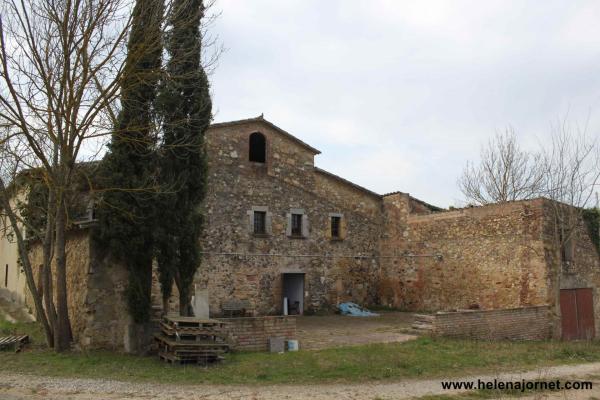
[[25, 387]]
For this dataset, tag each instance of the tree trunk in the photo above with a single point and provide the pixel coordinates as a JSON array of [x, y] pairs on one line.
[[62, 334], [185, 301], [47, 266]]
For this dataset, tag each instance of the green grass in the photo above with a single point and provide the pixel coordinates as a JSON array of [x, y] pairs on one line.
[[33, 329], [421, 358]]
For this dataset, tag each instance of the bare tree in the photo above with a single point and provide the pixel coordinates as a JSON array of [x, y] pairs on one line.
[[61, 78], [505, 172], [60, 65], [571, 167]]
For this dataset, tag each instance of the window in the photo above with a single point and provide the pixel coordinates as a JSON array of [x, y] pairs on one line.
[[260, 225], [6, 276], [336, 227], [258, 147], [296, 224], [259, 221]]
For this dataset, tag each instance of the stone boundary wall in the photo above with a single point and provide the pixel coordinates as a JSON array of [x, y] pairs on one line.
[[526, 323], [253, 333]]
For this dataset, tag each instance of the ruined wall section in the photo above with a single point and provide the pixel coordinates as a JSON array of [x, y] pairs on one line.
[[77, 251], [491, 257], [95, 293]]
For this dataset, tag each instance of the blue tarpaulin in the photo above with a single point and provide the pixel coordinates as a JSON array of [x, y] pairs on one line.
[[354, 310]]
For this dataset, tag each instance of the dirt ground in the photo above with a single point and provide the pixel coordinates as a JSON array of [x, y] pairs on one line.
[[20, 387], [318, 332]]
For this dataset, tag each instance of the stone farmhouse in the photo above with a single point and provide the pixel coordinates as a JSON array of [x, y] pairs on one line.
[[278, 227]]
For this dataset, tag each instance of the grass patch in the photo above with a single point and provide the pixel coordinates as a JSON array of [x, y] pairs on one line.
[[482, 394], [421, 358], [33, 329]]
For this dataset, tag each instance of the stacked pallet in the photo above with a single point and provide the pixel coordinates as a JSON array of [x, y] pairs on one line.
[[14, 342], [184, 340], [424, 323]]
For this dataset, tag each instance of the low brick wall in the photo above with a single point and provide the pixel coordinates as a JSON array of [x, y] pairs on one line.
[[526, 323], [253, 333]]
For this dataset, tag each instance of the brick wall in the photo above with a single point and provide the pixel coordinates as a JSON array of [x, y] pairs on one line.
[[526, 323], [252, 334]]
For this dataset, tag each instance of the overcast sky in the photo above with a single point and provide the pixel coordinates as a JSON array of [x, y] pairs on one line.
[[398, 95]]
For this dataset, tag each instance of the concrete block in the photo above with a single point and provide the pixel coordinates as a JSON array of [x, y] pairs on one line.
[[276, 344]]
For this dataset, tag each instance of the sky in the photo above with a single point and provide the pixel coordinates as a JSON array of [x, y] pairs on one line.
[[398, 95]]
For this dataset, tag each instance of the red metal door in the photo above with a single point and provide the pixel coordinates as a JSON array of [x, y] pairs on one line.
[[577, 311], [585, 314], [568, 312]]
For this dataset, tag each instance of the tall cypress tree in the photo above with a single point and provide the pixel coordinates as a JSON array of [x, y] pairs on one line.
[[127, 172], [185, 107]]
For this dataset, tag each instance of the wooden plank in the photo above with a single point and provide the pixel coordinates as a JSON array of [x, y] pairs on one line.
[[568, 311], [186, 343], [207, 331], [585, 313]]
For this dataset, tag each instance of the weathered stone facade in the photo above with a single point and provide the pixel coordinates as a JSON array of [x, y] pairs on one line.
[[239, 264], [391, 250], [489, 257], [95, 295]]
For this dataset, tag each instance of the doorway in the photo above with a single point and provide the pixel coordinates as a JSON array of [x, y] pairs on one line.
[[293, 293], [577, 314]]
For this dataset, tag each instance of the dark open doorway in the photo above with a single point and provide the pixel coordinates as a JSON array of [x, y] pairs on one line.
[[293, 293]]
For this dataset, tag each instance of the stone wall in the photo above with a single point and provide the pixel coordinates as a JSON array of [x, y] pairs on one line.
[[488, 257], [95, 295], [526, 323], [335, 270], [582, 271], [77, 251], [252, 334]]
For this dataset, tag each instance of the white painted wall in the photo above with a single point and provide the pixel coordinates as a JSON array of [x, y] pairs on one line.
[[15, 286]]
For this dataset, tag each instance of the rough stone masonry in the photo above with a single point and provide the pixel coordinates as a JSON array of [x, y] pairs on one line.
[[277, 226]]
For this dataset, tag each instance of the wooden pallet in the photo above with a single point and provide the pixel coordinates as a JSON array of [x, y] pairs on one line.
[[200, 359], [17, 342], [172, 331], [189, 344], [184, 340], [191, 322]]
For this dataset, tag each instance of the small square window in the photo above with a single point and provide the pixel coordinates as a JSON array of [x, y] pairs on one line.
[[260, 226], [296, 224], [336, 223]]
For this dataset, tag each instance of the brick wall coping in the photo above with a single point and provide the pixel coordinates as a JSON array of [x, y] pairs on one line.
[[488, 311], [225, 319], [490, 209]]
